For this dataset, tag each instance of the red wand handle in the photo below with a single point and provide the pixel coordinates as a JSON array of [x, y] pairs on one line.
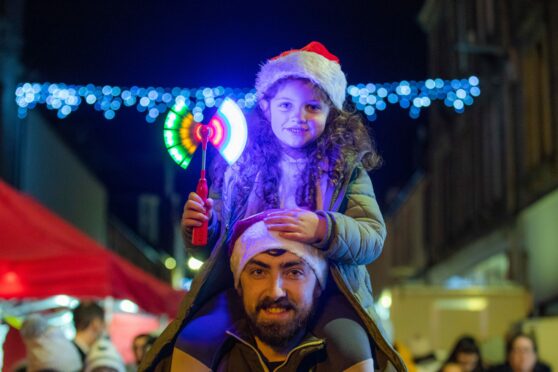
[[199, 234]]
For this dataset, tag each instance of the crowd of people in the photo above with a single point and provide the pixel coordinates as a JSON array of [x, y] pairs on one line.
[[91, 350], [521, 355]]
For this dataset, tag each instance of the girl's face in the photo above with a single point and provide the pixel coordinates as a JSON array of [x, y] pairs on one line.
[[297, 114]]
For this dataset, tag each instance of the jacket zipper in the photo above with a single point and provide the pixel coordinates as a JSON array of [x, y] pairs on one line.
[[253, 349], [302, 346], [307, 344]]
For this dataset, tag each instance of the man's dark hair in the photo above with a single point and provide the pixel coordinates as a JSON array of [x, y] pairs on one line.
[[85, 313]]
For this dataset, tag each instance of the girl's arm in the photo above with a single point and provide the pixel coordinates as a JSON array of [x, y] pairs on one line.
[[357, 235]]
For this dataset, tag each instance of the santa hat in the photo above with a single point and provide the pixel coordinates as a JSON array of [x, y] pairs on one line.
[[104, 354], [251, 237], [313, 62]]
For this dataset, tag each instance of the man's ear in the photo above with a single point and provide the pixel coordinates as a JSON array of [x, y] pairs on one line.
[[317, 291], [98, 325]]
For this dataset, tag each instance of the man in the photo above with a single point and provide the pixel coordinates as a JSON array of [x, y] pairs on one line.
[[521, 355], [89, 321], [279, 282]]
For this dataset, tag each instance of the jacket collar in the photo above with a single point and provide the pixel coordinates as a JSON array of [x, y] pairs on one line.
[[240, 332]]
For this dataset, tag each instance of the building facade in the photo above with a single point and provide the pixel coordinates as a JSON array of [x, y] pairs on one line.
[[486, 208]]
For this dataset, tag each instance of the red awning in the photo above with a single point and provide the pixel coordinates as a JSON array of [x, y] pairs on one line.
[[41, 255]]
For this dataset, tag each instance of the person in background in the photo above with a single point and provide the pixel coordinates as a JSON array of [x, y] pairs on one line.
[[103, 357], [467, 354], [89, 321], [451, 367], [140, 345], [521, 356], [47, 348]]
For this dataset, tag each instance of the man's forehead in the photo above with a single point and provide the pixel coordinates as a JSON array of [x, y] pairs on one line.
[[271, 258]]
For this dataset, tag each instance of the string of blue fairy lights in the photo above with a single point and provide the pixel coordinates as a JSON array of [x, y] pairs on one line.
[[370, 98]]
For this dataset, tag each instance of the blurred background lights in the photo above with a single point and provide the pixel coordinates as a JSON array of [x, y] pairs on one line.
[[474, 81], [65, 301], [128, 306], [170, 263], [385, 299], [194, 264], [456, 94]]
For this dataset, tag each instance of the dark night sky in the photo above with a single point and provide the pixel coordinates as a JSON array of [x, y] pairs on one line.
[[210, 43]]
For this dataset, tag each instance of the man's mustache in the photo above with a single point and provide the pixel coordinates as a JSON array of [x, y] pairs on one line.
[[282, 302]]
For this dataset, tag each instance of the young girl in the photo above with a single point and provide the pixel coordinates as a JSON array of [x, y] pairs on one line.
[[308, 157]]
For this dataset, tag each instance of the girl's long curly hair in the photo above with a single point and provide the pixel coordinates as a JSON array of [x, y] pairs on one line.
[[344, 142]]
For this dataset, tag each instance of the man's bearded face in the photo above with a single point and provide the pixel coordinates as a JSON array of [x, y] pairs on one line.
[[278, 291]]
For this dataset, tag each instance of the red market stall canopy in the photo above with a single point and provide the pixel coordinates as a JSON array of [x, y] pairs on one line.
[[41, 255]]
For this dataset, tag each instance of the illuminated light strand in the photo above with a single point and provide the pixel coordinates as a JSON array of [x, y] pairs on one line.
[[155, 101]]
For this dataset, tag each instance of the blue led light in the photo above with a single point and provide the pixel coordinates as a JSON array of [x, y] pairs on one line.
[[144, 101], [458, 104], [198, 116], [371, 100], [455, 84], [430, 84], [474, 81], [425, 101], [115, 105], [152, 95], [167, 97], [66, 110], [475, 91], [405, 103], [352, 90], [109, 114], [207, 92], [153, 113]]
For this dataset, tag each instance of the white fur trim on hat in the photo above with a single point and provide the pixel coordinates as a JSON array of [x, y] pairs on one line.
[[257, 239], [304, 64]]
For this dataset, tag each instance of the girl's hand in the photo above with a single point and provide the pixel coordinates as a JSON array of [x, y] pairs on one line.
[[298, 224], [194, 211]]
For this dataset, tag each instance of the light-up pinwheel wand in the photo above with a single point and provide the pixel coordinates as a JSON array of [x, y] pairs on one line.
[[226, 130], [199, 234]]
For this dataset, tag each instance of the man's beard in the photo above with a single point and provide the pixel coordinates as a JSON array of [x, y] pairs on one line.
[[278, 334]]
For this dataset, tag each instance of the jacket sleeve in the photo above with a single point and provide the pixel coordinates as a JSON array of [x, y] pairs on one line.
[[357, 235]]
